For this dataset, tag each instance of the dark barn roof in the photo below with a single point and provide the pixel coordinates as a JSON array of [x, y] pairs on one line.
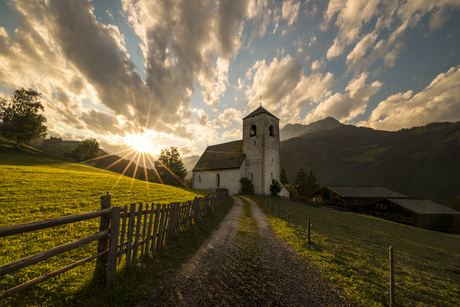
[[422, 206], [221, 156], [258, 111], [364, 192]]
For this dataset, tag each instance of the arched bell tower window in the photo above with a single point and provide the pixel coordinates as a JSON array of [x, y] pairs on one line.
[[253, 131], [271, 131], [218, 180]]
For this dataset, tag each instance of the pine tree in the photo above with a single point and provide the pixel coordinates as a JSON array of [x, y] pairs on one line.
[[312, 184], [302, 180], [283, 177]]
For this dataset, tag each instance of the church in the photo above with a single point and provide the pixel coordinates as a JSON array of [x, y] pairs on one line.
[[256, 156]]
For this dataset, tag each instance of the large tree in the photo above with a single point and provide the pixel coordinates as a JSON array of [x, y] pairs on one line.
[[19, 119], [307, 182], [170, 167]]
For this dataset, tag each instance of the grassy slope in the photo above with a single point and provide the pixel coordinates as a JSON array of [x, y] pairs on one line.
[[34, 187], [352, 250]]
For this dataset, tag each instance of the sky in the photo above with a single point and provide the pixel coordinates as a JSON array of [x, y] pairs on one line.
[[185, 72]]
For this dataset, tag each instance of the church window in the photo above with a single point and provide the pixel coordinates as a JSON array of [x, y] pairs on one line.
[[271, 176], [253, 131], [271, 130], [252, 177], [218, 180], [199, 179], [255, 143]]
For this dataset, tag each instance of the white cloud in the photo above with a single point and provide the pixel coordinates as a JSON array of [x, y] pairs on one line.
[[202, 117], [234, 134], [438, 102], [230, 115], [290, 11], [345, 107]]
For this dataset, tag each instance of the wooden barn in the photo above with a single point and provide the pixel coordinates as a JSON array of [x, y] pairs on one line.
[[352, 198], [422, 213]]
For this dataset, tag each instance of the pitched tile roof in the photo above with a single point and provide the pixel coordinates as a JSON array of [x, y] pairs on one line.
[[365, 192], [221, 156], [258, 111], [422, 206]]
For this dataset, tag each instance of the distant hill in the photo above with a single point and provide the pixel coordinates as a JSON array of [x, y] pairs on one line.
[[294, 130], [419, 162], [189, 163]]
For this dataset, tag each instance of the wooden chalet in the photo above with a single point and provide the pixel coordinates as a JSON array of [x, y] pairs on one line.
[[422, 213], [352, 198]]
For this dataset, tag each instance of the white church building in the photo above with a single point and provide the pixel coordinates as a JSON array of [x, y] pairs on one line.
[[256, 156]]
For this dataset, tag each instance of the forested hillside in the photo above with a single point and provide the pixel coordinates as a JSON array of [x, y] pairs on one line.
[[419, 162]]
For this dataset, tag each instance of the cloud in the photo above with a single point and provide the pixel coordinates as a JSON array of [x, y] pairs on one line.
[[202, 117], [234, 134], [345, 107], [290, 11], [273, 81], [284, 88], [438, 102], [230, 115], [354, 18]]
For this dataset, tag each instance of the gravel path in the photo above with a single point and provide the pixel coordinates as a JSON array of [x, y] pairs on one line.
[[245, 264]]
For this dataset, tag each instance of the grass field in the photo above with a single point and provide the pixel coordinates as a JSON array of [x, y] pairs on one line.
[[34, 187], [352, 251]]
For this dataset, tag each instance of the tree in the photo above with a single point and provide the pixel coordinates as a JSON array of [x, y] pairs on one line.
[[312, 184], [19, 119], [301, 179], [283, 177], [275, 187], [170, 167], [86, 150], [246, 186]]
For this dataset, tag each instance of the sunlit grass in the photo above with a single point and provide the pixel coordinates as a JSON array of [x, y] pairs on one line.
[[34, 187], [352, 251]]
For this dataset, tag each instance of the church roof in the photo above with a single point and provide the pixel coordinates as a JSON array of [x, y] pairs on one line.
[[258, 111], [221, 156]]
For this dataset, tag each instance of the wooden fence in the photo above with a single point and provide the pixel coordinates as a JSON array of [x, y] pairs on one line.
[[121, 232]]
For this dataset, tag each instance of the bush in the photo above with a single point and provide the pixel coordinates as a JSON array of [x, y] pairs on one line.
[[275, 187]]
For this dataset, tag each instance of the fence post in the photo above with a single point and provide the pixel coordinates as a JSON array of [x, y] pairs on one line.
[[392, 279], [308, 230], [102, 243], [113, 245], [272, 207], [279, 211]]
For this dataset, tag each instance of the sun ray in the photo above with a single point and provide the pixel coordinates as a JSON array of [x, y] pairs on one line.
[[146, 176], [120, 159], [135, 171], [154, 168], [105, 156], [126, 168], [175, 176]]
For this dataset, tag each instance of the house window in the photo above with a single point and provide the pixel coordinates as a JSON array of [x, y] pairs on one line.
[[199, 179], [253, 131], [218, 180], [271, 131]]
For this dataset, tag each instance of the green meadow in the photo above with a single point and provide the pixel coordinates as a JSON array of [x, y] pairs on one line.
[[352, 250], [35, 187]]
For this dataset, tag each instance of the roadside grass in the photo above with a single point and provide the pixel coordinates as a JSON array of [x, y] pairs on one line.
[[35, 187], [352, 251], [137, 284]]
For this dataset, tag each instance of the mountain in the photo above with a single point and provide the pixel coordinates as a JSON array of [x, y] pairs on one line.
[[294, 130], [418, 162], [189, 163]]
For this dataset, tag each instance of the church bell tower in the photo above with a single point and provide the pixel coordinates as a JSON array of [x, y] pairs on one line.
[[261, 145]]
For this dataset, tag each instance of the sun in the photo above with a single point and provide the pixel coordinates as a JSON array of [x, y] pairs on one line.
[[140, 143]]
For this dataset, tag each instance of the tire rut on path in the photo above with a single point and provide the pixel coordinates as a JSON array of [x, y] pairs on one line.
[[244, 263]]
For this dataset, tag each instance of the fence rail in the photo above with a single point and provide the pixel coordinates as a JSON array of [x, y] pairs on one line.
[[145, 229]]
